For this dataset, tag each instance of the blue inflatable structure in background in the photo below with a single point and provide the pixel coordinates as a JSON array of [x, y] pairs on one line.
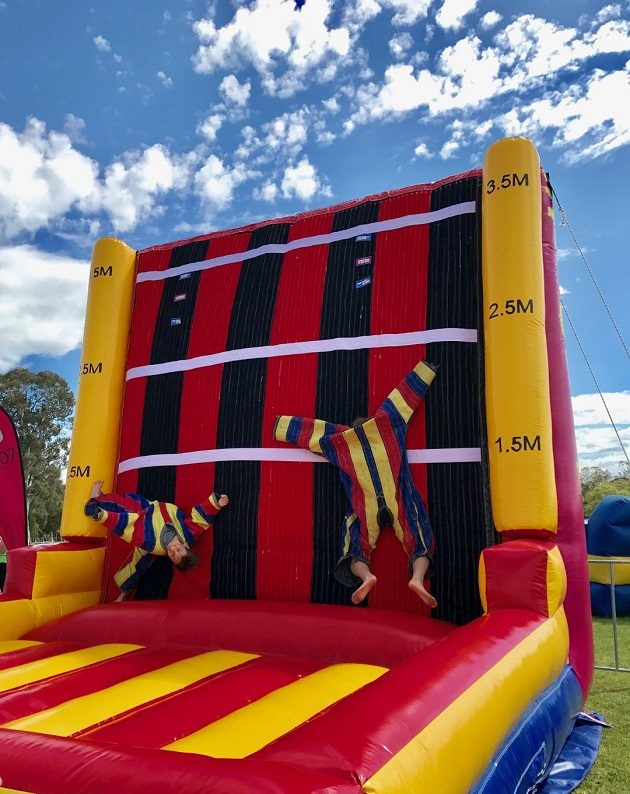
[[608, 536]]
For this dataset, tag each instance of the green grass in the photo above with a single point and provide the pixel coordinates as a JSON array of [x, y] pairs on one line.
[[610, 696]]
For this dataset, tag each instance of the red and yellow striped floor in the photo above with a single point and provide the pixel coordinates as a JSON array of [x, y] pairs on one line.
[[225, 704]]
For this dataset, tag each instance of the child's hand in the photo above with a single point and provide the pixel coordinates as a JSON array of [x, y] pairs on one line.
[[223, 500], [96, 489]]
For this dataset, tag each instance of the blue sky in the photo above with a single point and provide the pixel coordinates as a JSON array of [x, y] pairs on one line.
[[156, 121]]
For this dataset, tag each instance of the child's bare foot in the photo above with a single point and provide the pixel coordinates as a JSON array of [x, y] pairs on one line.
[[121, 597], [361, 591], [426, 597]]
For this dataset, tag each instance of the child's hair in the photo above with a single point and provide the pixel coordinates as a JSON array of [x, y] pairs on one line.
[[187, 562]]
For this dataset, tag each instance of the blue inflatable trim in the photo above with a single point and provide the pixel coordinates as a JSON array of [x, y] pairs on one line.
[[523, 763], [608, 528], [600, 600], [577, 757]]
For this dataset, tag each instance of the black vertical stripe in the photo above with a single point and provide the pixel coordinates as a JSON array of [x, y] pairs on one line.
[[342, 388], [155, 581], [240, 418], [160, 422], [454, 405]]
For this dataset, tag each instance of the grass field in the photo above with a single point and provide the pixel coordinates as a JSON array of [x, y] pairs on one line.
[[610, 696]]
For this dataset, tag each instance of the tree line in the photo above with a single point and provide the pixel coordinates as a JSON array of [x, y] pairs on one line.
[[41, 405]]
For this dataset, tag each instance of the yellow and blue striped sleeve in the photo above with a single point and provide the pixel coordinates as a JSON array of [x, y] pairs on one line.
[[305, 433]]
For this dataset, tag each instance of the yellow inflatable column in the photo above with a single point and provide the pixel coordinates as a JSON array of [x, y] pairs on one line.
[[522, 480], [96, 427]]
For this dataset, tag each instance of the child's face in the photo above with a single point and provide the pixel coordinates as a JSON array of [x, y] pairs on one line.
[[176, 551]]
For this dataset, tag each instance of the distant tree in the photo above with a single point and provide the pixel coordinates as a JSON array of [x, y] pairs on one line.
[[41, 406], [591, 477], [624, 469], [618, 486]]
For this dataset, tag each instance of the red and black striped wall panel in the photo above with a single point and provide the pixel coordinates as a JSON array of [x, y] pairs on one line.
[[280, 536]]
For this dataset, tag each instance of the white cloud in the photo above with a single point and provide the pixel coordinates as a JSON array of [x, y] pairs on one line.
[[472, 74], [449, 149], [325, 137], [235, 92], [608, 12], [422, 150], [526, 55], [102, 44], [358, 13], [600, 446], [74, 126], [407, 12], [331, 105], [210, 126], [42, 303], [251, 141], [288, 49], [41, 177], [468, 77], [597, 441], [79, 232], [133, 185], [191, 229], [280, 139], [490, 20], [166, 81], [588, 409], [287, 132], [534, 48], [462, 133], [215, 182], [301, 181], [399, 45], [451, 14], [267, 192], [589, 120]]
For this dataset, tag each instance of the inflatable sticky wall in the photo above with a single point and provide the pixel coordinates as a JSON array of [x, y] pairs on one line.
[[254, 672], [608, 538]]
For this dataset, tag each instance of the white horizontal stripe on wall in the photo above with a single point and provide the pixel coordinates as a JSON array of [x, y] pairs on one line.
[[302, 348], [465, 208], [454, 455]]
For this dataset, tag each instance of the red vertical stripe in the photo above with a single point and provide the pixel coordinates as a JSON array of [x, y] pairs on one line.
[[399, 301], [285, 513]]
